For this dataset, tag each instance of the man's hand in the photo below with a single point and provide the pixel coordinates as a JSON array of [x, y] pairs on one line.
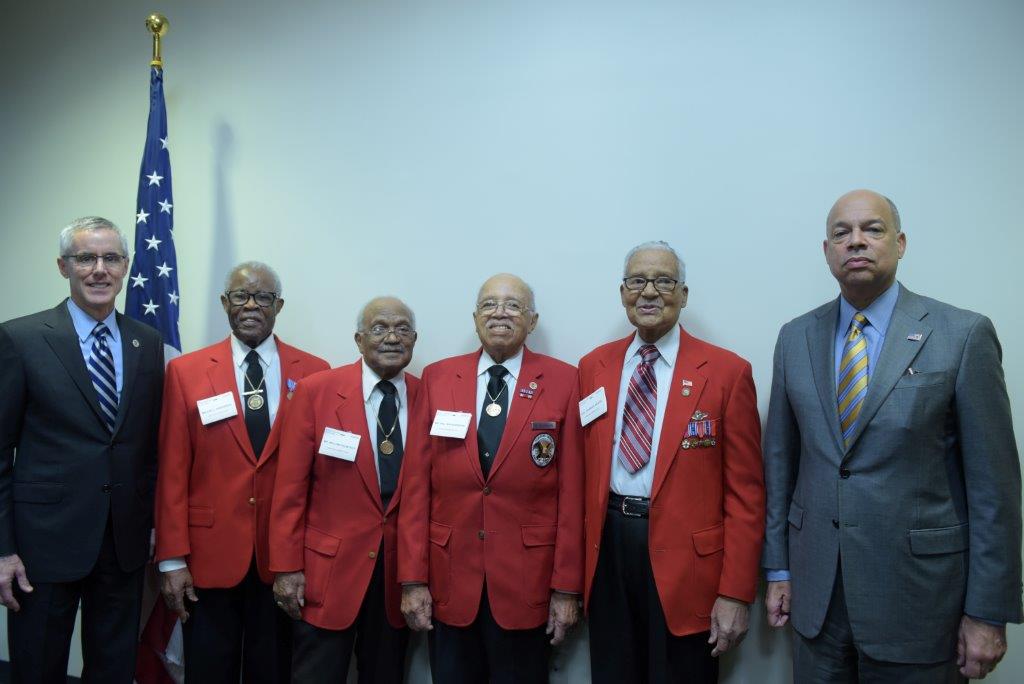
[[175, 586], [563, 613], [776, 602], [979, 648], [12, 568], [729, 621], [290, 593], [417, 607]]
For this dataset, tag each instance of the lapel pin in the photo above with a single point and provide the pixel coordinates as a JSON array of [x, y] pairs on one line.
[[533, 385], [135, 343], [687, 384], [915, 337], [291, 388], [699, 415]]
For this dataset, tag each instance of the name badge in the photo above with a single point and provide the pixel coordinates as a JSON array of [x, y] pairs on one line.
[[339, 444], [451, 424], [217, 408], [593, 406]]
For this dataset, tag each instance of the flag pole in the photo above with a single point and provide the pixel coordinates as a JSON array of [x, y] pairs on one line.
[[157, 25]]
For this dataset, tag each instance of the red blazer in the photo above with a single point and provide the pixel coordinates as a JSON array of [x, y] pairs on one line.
[[327, 515], [521, 528], [212, 492], [707, 502]]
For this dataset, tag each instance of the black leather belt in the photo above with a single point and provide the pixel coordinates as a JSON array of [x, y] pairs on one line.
[[629, 506]]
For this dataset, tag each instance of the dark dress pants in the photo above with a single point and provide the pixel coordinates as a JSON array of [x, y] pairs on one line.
[[237, 634], [630, 642], [486, 652], [39, 634], [322, 656]]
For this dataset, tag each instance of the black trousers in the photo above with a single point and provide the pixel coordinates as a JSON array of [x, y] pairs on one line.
[[322, 656], [486, 652], [630, 642], [237, 634], [39, 635]]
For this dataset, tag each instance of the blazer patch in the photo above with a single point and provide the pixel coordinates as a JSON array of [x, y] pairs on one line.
[[542, 451]]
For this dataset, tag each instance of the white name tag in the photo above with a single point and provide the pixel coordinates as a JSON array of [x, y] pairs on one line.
[[339, 444], [451, 424], [217, 408], [593, 406]]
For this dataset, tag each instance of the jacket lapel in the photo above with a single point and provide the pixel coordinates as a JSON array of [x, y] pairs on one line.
[[680, 407], [821, 340], [897, 354], [131, 352], [60, 334], [291, 367], [464, 399], [351, 413], [520, 409], [221, 373], [412, 389], [608, 374]]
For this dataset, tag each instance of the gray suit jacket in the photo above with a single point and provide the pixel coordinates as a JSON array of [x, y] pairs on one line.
[[924, 506]]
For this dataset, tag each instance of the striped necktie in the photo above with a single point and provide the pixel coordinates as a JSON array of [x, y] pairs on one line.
[[639, 411], [852, 385], [101, 370]]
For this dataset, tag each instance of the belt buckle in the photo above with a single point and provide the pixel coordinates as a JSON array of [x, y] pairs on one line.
[[627, 499]]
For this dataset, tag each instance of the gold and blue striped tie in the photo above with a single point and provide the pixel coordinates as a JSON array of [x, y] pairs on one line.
[[852, 385]]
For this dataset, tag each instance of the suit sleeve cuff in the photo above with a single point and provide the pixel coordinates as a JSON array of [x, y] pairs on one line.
[[994, 623], [777, 575]]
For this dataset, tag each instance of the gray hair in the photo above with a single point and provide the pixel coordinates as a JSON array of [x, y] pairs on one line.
[[254, 266], [656, 246], [895, 214], [362, 312], [89, 224]]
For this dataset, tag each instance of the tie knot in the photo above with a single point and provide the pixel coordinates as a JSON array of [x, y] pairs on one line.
[[859, 321], [649, 353], [497, 372], [100, 331], [387, 387], [252, 358]]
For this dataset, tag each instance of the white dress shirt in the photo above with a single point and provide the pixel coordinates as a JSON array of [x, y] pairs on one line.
[[639, 483], [512, 365], [372, 397]]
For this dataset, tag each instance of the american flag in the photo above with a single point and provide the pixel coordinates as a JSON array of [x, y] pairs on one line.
[[153, 293]]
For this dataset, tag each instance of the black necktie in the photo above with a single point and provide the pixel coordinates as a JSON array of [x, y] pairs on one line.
[[257, 408], [488, 433], [388, 429]]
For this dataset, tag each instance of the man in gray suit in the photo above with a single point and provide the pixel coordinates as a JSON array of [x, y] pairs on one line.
[[894, 522]]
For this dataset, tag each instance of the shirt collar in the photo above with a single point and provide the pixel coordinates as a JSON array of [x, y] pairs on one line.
[[512, 364], [84, 323], [668, 346], [370, 380], [878, 312], [267, 350]]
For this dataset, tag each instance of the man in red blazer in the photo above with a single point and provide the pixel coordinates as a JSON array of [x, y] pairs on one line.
[[490, 531], [218, 455], [335, 511], [674, 488]]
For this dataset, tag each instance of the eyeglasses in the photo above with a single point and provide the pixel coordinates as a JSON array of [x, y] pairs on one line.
[[491, 306], [241, 298], [87, 262], [662, 284], [381, 331]]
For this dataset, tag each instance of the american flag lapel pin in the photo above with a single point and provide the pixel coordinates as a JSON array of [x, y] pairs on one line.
[[687, 384], [915, 337]]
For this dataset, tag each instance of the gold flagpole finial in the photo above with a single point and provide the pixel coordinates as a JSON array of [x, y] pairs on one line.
[[157, 25]]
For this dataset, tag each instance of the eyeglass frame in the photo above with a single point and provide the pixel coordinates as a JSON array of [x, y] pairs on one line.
[[407, 334], [252, 296], [503, 304], [76, 259], [653, 281]]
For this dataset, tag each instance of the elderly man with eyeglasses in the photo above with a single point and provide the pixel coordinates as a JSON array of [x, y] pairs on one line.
[[219, 435], [78, 421], [674, 490], [336, 501], [490, 532]]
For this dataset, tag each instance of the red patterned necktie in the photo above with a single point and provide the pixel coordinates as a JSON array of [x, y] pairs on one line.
[[638, 415]]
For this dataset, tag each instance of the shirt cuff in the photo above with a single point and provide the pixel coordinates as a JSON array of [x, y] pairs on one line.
[[172, 564], [771, 575]]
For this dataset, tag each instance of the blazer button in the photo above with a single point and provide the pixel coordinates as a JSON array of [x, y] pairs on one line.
[[844, 473], [487, 490], [252, 500], [106, 488], [373, 554], [480, 534], [835, 523]]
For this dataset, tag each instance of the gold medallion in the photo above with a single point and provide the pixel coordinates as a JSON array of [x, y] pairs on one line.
[[254, 402], [387, 447], [493, 410]]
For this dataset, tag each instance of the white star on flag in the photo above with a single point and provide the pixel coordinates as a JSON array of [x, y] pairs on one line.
[[154, 179], [139, 280], [163, 143], [151, 307], [141, 217], [174, 297], [153, 243], [164, 269], [165, 206]]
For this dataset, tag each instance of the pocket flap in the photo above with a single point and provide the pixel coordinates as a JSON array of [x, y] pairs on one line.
[[710, 540], [321, 542], [200, 516], [796, 515], [439, 533], [939, 540], [38, 492], [539, 535], [919, 379]]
